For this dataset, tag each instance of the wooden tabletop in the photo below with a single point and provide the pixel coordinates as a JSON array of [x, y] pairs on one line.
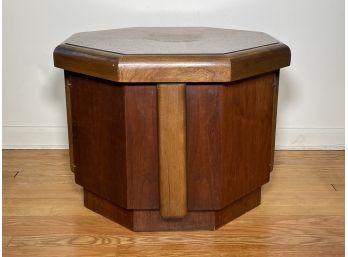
[[169, 54], [163, 41]]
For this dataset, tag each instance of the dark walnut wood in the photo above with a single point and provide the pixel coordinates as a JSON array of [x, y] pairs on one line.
[[69, 121], [171, 128], [171, 54], [151, 220], [115, 140], [229, 133], [274, 119]]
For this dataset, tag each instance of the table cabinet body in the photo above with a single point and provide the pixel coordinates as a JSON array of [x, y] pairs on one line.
[[175, 131]]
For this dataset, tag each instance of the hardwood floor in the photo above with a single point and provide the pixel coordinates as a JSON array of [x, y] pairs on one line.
[[301, 213]]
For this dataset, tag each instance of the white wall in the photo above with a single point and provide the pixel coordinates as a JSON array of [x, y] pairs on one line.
[[311, 103]]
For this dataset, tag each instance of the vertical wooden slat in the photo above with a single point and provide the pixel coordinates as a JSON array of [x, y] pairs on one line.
[[68, 86], [172, 150], [274, 118]]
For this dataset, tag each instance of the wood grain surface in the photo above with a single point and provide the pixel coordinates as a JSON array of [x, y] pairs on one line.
[[172, 68], [229, 138], [173, 55], [171, 100], [301, 214], [68, 86], [129, 144], [171, 40], [98, 111], [115, 140], [153, 220], [274, 116]]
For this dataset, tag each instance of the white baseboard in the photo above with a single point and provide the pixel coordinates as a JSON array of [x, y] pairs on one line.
[[34, 137], [55, 137], [310, 139]]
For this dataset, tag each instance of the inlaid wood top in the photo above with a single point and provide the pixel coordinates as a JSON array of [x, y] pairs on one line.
[[168, 54], [170, 40]]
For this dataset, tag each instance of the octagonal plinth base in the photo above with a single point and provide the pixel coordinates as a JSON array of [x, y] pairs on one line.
[[151, 220]]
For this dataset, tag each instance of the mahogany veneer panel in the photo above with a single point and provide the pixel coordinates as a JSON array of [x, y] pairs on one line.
[[141, 146], [115, 140], [116, 134], [229, 133]]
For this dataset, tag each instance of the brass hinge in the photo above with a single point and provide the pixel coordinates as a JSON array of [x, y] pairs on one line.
[[276, 80], [68, 83], [73, 168]]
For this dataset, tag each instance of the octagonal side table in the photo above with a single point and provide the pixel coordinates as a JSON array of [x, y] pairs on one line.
[[171, 128]]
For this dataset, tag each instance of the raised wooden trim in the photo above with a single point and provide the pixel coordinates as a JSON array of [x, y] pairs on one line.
[[172, 149], [68, 86], [274, 116], [172, 68], [177, 68], [87, 61], [259, 60]]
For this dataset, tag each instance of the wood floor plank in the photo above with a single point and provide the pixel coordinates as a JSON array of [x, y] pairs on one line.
[[338, 187], [44, 206], [303, 231], [170, 251], [251, 224], [42, 190], [301, 214], [60, 251]]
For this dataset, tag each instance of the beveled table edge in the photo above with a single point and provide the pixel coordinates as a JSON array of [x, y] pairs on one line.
[[172, 68]]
